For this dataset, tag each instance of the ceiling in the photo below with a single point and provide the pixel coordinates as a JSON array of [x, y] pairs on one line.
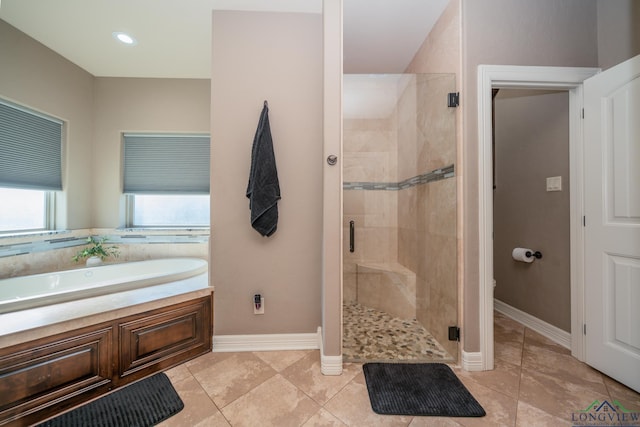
[[174, 36]]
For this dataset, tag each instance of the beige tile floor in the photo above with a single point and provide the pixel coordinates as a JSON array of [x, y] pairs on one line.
[[536, 383]]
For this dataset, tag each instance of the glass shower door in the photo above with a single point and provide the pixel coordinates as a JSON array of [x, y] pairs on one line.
[[400, 269]]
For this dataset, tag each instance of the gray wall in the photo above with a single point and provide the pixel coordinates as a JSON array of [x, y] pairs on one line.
[[281, 61], [510, 32], [150, 105], [36, 77], [96, 110], [574, 33], [531, 144], [277, 57], [618, 31]]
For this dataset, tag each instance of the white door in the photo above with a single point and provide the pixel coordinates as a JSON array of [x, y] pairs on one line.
[[612, 214]]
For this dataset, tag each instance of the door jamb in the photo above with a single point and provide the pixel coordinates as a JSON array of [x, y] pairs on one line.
[[526, 77]]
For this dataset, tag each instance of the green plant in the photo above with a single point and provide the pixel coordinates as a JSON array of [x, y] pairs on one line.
[[97, 249]]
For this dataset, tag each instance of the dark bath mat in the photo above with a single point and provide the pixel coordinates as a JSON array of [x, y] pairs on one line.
[[142, 404], [419, 389]]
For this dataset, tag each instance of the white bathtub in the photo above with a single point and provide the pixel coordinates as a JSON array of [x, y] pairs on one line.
[[39, 290]]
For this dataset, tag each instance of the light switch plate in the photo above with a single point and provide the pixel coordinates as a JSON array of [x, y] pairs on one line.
[[554, 183]]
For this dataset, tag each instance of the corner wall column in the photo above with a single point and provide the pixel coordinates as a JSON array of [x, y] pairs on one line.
[[331, 348]]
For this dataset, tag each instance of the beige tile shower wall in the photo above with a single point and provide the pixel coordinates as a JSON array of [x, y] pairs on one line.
[[370, 155], [436, 283], [435, 123], [437, 270], [408, 134], [370, 150], [388, 287], [426, 141], [427, 213], [426, 126], [436, 220], [441, 53], [408, 228], [353, 210], [376, 232]]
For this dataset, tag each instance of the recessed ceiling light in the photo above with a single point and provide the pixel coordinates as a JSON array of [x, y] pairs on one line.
[[124, 38]]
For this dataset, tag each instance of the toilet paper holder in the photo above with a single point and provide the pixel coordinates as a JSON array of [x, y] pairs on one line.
[[536, 254]]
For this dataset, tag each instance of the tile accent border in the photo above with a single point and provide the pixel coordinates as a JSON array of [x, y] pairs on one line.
[[27, 247], [40, 242], [435, 175]]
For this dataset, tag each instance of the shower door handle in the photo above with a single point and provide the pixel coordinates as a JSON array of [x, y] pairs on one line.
[[352, 235]]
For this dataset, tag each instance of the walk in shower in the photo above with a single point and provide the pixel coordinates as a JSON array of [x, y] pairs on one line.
[[400, 266]]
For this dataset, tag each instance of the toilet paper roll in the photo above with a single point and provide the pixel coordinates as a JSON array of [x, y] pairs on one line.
[[520, 254]]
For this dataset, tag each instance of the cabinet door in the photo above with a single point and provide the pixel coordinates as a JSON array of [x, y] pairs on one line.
[[159, 340], [53, 373]]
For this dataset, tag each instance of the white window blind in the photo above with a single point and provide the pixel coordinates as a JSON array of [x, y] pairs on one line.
[[166, 164], [30, 149]]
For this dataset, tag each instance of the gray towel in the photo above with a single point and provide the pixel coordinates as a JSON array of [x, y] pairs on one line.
[[263, 190]]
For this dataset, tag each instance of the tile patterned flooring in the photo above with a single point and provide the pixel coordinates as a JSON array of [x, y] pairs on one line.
[[536, 383], [371, 335]]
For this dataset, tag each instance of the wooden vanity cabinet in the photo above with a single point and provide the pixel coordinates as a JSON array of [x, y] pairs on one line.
[[41, 378], [156, 341], [54, 374]]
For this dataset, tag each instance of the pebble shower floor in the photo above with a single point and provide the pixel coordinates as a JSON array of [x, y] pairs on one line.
[[375, 336]]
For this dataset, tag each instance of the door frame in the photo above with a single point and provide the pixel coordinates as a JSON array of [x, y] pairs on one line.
[[526, 77]]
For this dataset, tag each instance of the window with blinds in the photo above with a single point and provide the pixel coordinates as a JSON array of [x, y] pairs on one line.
[[30, 168], [166, 164], [31, 149], [166, 180]]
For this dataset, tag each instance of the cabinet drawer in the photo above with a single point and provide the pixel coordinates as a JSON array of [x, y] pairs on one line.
[[55, 372], [162, 339]]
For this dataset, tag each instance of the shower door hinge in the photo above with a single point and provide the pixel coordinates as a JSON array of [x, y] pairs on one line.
[[453, 99], [454, 333]]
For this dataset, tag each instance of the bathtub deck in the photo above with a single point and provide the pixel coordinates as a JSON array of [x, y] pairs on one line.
[[31, 324], [374, 336]]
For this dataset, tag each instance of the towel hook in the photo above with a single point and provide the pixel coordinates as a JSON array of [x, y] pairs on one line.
[[266, 104]]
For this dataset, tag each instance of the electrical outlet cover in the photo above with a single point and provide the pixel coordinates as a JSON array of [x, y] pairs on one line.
[[261, 309]]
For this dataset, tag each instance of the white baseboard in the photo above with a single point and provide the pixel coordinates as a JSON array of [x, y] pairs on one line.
[[472, 361], [329, 365], [545, 329], [265, 342]]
